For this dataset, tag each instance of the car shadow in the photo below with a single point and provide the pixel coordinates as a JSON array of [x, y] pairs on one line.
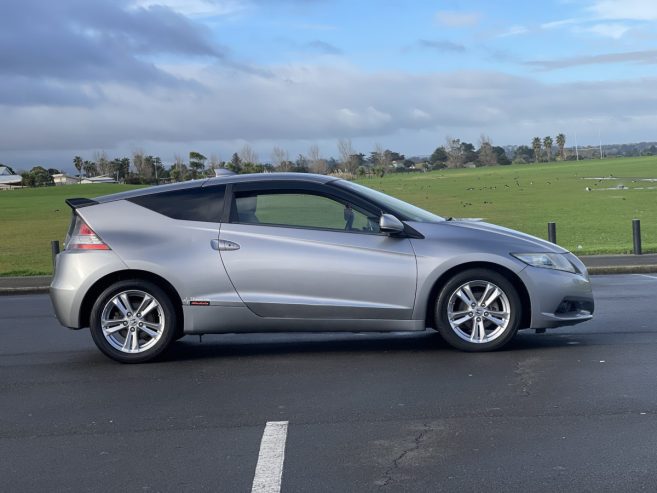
[[242, 345]]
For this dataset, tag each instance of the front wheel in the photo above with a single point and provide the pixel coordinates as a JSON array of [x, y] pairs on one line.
[[133, 321], [478, 310]]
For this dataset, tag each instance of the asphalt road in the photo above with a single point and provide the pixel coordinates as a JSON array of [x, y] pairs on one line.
[[574, 409]]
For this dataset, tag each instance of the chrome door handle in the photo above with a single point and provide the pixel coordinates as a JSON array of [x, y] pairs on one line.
[[224, 245]]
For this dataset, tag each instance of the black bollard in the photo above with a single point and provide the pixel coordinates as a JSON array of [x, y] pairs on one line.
[[552, 233], [636, 236], [54, 248]]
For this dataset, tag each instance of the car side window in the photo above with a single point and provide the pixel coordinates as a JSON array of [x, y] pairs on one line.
[[203, 204], [303, 210]]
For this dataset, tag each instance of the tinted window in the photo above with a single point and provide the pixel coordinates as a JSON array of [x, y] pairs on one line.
[[302, 210], [192, 204]]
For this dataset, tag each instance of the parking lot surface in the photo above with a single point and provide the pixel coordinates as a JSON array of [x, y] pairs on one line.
[[574, 409]]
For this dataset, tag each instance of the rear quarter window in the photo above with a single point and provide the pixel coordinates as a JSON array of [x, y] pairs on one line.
[[204, 204]]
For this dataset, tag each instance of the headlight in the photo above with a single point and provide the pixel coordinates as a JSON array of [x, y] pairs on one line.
[[547, 261]]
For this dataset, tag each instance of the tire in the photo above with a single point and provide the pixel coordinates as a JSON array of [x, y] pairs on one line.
[[118, 306], [460, 324]]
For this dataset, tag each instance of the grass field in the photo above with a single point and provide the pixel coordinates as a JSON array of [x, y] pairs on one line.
[[31, 217], [527, 197], [523, 197]]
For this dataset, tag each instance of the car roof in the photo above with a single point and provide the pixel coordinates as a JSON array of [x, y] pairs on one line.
[[219, 180]]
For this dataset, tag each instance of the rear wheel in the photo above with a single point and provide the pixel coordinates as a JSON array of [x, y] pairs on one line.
[[133, 321], [478, 310]]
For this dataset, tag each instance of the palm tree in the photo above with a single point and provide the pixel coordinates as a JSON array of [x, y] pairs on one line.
[[536, 145], [77, 162], [547, 144], [561, 143]]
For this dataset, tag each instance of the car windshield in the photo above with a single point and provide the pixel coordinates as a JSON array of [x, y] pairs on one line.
[[403, 210]]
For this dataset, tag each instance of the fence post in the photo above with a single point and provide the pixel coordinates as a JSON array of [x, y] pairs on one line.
[[552, 233], [636, 236], [54, 248]]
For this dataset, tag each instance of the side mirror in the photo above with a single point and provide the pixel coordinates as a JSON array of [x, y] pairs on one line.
[[390, 224]]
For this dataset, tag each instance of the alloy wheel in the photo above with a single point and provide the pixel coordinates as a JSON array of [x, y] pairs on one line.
[[479, 311], [132, 321]]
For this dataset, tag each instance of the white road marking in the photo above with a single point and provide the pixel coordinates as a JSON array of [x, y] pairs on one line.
[[269, 470], [646, 275]]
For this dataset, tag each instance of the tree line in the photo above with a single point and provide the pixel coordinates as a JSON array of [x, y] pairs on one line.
[[142, 168]]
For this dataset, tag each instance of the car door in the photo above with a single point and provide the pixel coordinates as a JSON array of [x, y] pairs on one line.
[[297, 251]]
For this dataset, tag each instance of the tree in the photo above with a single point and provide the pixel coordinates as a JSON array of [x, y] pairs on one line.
[[53, 171], [27, 179], [315, 161], [486, 155], [561, 144], [536, 146], [455, 157], [502, 158], [77, 162], [38, 177], [439, 157], [179, 171], [215, 162], [138, 162], [279, 156], [235, 164], [120, 168], [346, 151], [197, 163], [523, 155], [248, 155], [89, 168], [547, 144], [102, 163]]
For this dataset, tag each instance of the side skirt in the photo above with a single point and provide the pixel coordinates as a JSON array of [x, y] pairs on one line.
[[229, 319]]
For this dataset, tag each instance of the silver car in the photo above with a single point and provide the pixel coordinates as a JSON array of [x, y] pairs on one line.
[[299, 252]]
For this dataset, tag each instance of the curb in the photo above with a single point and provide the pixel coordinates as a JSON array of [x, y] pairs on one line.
[[623, 269], [24, 290]]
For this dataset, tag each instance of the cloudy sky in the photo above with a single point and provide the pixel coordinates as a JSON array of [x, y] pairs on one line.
[[170, 76]]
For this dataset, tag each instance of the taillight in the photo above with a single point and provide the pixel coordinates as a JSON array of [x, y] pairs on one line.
[[84, 238]]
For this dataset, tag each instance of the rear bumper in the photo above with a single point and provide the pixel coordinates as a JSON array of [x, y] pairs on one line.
[[75, 273], [558, 298]]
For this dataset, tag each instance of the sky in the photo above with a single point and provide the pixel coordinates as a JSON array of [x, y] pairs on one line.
[[78, 77]]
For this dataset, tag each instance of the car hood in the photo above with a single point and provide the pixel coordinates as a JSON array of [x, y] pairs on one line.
[[515, 241]]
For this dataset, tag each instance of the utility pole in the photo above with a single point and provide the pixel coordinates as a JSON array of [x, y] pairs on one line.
[[600, 141], [576, 151]]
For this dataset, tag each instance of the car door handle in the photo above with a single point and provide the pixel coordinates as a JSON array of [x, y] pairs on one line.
[[224, 245]]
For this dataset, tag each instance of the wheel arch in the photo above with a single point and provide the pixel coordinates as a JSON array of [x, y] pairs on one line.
[[104, 282], [526, 314]]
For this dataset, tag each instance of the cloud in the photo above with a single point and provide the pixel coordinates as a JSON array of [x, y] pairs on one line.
[[513, 31], [638, 10], [197, 8], [608, 30], [645, 57], [454, 18], [59, 44], [441, 46], [323, 47], [306, 102]]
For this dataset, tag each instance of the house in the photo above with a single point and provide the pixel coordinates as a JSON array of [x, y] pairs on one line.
[[8, 178], [64, 179], [99, 179]]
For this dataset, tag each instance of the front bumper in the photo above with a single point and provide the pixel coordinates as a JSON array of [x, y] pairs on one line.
[[75, 273], [558, 298]]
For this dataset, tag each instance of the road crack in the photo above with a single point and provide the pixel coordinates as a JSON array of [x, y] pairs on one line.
[[388, 476]]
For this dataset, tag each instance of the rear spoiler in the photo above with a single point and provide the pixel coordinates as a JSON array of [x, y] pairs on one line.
[[78, 203]]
